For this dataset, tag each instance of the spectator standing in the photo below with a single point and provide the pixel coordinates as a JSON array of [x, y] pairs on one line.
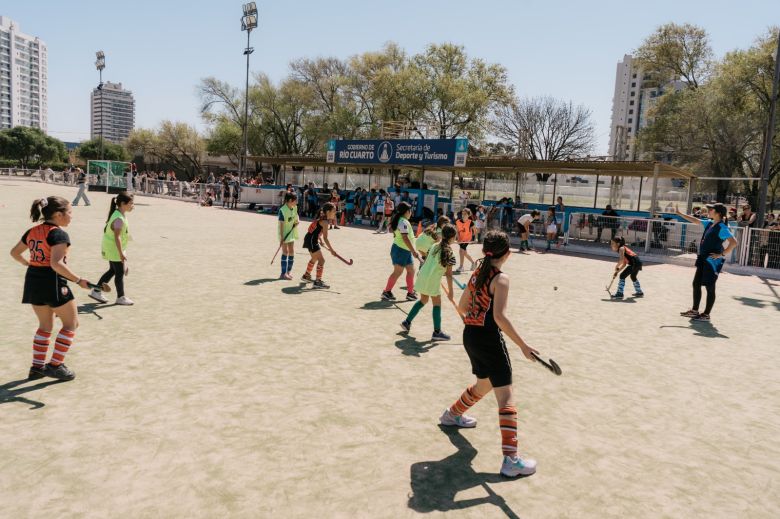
[[608, 219], [81, 181], [747, 218]]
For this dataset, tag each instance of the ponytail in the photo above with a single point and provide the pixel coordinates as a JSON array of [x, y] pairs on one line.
[[123, 197], [619, 240], [494, 246], [46, 207], [401, 210], [448, 232]]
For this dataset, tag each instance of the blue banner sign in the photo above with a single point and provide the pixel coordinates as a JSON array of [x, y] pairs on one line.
[[406, 152]]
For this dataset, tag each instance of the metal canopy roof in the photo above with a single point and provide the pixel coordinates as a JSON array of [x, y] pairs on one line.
[[502, 164]]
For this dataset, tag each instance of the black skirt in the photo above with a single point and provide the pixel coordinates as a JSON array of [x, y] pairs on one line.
[[44, 287]]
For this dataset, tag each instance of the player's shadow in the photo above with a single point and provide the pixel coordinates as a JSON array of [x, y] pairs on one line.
[[756, 303], [435, 484], [701, 329], [624, 300], [255, 282], [414, 348], [301, 289], [378, 305], [89, 308], [9, 392]]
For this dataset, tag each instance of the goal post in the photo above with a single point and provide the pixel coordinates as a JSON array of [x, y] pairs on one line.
[[110, 175]]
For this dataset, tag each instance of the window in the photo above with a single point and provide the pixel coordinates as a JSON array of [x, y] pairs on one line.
[[630, 112], [634, 76], [631, 103], [633, 84], [630, 120], [629, 129], [633, 94]]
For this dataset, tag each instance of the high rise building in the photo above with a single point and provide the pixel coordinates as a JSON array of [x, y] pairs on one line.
[[635, 93], [23, 78], [112, 112]]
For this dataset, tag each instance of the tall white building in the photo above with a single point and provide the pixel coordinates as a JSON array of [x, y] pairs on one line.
[[112, 112], [23, 78], [635, 93]]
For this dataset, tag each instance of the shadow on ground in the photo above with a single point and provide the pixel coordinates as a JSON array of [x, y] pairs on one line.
[[435, 484], [414, 348], [757, 303], [301, 289], [701, 329], [255, 282], [9, 392], [89, 308]]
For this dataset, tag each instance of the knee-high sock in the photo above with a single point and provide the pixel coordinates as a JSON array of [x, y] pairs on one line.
[[320, 269], [40, 347], [466, 400], [310, 266], [61, 346], [284, 264], [390, 283], [409, 282], [414, 311], [437, 318], [507, 421], [290, 260], [637, 287], [621, 286]]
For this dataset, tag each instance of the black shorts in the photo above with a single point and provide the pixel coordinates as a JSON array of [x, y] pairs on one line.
[[309, 246], [44, 287], [487, 351], [522, 229], [463, 246]]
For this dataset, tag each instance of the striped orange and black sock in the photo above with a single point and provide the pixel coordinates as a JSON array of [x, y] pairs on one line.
[[320, 270], [507, 421], [40, 347], [466, 400], [310, 266], [61, 346]]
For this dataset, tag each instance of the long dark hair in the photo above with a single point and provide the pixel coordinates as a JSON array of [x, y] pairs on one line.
[[401, 210], [433, 229], [325, 209], [46, 207], [123, 197], [494, 246], [448, 232], [621, 242]]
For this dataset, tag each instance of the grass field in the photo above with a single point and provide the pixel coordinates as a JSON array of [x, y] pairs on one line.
[[227, 393]]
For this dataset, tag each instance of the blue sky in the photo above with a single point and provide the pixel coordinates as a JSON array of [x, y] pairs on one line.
[[161, 49]]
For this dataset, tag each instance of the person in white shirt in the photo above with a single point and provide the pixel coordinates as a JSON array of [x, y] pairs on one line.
[[524, 222]]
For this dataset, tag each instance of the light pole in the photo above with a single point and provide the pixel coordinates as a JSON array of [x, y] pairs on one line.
[[770, 133], [248, 22], [100, 64]]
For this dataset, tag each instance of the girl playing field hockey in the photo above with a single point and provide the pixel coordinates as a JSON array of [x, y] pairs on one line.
[[465, 227], [401, 252], [626, 258], [429, 236], [317, 234], [524, 225], [114, 248], [483, 306], [551, 227], [438, 263], [288, 232], [46, 285]]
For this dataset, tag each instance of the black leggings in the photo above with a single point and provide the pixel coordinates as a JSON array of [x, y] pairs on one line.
[[116, 268], [697, 291], [631, 270]]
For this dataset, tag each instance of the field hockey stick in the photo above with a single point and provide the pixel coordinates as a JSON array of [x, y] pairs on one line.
[[461, 286], [551, 364], [348, 262], [454, 304], [611, 282], [103, 288], [283, 240]]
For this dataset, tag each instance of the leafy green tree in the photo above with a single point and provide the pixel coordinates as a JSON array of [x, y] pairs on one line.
[[177, 144], [31, 147], [90, 150], [677, 52]]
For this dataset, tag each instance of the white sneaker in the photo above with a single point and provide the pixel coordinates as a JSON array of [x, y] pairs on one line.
[[447, 418], [124, 300], [517, 466], [98, 296]]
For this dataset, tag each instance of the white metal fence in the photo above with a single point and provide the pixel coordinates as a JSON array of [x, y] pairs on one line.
[[761, 248]]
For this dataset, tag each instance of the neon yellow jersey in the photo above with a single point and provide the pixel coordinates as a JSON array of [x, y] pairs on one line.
[[404, 227], [109, 250], [290, 217]]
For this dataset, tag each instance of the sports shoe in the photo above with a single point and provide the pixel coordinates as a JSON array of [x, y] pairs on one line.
[[440, 336], [411, 296], [36, 372], [318, 283], [288, 276], [98, 296], [60, 372], [617, 295], [701, 317], [458, 270], [690, 313], [639, 294], [388, 296], [306, 278], [517, 466], [447, 418], [283, 276], [124, 301], [406, 326]]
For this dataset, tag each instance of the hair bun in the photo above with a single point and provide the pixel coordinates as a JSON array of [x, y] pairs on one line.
[[43, 202]]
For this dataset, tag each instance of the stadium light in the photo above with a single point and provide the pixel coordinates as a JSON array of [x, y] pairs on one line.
[[248, 22]]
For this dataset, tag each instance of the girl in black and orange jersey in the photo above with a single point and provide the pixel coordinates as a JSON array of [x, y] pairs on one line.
[[626, 258], [318, 232], [46, 285], [483, 306]]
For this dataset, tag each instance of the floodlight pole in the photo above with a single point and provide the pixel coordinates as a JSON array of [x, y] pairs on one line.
[[245, 152], [770, 133]]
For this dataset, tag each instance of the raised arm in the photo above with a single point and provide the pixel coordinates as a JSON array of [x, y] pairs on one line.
[[687, 217]]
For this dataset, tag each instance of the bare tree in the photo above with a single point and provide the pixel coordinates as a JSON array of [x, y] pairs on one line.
[[544, 128]]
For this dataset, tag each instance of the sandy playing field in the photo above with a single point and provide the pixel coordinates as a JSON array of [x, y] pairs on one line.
[[227, 393]]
